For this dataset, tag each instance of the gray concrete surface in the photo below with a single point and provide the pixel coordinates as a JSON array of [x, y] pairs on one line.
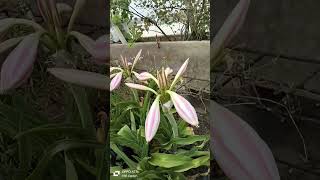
[[285, 72], [172, 54]]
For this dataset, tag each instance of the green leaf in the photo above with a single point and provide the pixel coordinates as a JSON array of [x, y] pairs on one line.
[[133, 122], [127, 137], [54, 149], [195, 163], [190, 139], [55, 129], [123, 156], [81, 99], [168, 160], [76, 10], [86, 166], [101, 164], [25, 151], [7, 126], [71, 172]]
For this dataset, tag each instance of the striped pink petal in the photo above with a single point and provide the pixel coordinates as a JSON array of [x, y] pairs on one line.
[[98, 49], [185, 110], [144, 76], [153, 120], [19, 63], [141, 87], [115, 82], [179, 73], [238, 149], [230, 27], [113, 75], [101, 46], [82, 78], [136, 59]]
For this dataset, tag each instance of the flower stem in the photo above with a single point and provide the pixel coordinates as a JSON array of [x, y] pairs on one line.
[[173, 124], [135, 95]]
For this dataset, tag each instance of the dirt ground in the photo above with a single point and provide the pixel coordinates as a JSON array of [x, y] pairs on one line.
[[272, 96]]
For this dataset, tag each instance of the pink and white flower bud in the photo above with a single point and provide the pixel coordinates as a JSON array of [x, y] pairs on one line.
[[179, 73], [136, 59], [140, 87], [98, 49], [82, 78], [113, 75], [230, 27], [144, 76], [238, 149], [116, 81], [185, 110], [19, 63], [153, 120]]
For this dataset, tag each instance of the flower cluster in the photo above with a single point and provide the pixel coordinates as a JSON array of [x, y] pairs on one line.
[[125, 69], [164, 93]]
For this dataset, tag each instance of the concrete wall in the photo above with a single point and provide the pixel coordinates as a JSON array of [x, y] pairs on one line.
[[286, 27], [172, 54]]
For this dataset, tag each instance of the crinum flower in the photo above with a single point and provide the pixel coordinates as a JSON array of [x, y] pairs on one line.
[[166, 95], [125, 70]]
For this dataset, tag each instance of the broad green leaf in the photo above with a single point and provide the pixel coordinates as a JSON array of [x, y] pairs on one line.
[[128, 138], [190, 139], [168, 160], [193, 153], [123, 156], [195, 163], [82, 78]]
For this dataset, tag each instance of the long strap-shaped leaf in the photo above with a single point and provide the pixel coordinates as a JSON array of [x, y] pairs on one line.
[[77, 8], [59, 146], [123, 156]]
